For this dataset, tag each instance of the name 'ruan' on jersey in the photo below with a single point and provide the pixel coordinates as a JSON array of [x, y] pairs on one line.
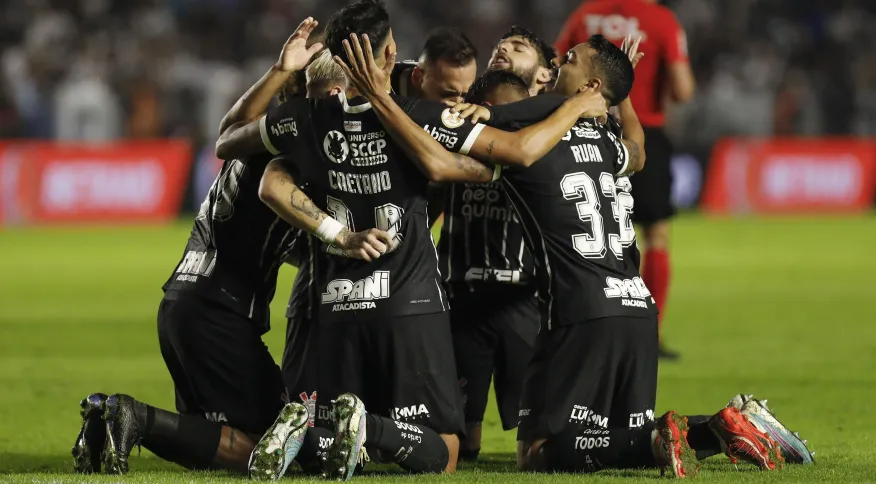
[[575, 210]]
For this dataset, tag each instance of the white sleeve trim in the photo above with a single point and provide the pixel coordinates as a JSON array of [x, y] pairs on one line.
[[497, 172], [266, 140], [626, 153], [472, 137]]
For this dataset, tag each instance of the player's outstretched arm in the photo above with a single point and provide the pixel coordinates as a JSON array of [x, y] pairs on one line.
[[526, 111], [279, 191], [525, 147], [239, 140], [633, 133], [634, 137], [294, 57], [438, 164]]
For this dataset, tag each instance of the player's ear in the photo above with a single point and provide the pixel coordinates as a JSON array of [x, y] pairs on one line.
[[387, 51], [543, 76], [335, 90], [594, 83], [417, 77]]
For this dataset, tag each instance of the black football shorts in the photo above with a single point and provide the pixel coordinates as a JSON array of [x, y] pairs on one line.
[[598, 374], [401, 368], [220, 367], [652, 187], [493, 337]]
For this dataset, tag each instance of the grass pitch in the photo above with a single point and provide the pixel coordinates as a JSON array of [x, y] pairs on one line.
[[782, 308]]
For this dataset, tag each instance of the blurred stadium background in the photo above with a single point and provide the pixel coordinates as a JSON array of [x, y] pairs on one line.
[[108, 115]]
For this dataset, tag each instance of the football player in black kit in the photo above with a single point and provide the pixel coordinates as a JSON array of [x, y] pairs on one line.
[[382, 329], [445, 70], [526, 55], [210, 322], [589, 394], [487, 270]]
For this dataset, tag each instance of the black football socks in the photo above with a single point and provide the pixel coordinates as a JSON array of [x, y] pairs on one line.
[[183, 439], [701, 438]]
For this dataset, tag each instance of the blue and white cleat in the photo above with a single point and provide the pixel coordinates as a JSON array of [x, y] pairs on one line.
[[348, 447], [276, 450], [792, 447]]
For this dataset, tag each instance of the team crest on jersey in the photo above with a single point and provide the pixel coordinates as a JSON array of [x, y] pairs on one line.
[[336, 147], [451, 120], [310, 404]]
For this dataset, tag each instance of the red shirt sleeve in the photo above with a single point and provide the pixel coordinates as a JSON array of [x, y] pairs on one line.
[[573, 30], [674, 41]]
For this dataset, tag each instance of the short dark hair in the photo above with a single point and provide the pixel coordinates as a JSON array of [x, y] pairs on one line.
[[363, 17], [615, 68], [546, 53], [489, 81], [451, 46], [296, 85]]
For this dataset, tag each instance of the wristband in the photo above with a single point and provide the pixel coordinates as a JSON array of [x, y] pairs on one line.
[[328, 230]]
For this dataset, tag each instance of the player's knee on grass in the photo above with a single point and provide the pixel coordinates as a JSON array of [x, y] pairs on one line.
[[529, 455], [470, 446], [451, 441]]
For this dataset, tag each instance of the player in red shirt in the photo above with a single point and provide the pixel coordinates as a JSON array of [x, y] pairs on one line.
[[664, 73]]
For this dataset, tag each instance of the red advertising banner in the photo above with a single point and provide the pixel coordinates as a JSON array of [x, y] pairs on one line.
[[131, 181], [791, 176]]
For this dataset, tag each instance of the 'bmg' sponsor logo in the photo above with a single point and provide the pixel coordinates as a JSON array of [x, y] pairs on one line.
[[441, 135], [350, 295], [285, 126]]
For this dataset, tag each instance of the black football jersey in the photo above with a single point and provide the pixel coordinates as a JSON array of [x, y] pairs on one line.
[[481, 239], [237, 244], [360, 177], [578, 225], [300, 307], [397, 78]]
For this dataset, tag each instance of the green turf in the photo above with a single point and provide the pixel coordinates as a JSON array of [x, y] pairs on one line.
[[782, 308]]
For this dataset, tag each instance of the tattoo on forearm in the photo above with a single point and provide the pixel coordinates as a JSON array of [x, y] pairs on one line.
[[344, 233], [472, 166], [231, 439], [490, 149], [634, 152], [305, 206], [283, 177]]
